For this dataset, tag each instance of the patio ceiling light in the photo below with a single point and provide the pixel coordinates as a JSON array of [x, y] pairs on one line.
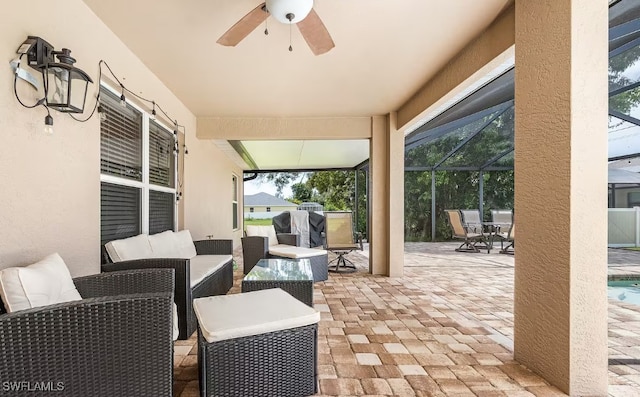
[[289, 11]]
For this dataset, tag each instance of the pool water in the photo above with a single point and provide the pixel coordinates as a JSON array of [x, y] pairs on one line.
[[627, 291]]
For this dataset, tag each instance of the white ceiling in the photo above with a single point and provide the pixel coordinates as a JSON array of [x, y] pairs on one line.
[[385, 50]]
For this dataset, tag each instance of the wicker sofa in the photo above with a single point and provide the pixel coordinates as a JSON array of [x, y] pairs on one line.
[[208, 272], [116, 341]]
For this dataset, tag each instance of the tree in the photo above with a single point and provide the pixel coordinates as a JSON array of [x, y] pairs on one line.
[[301, 193]]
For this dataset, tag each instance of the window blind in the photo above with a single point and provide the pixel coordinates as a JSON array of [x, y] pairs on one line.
[[161, 156], [119, 212], [120, 139], [161, 211]]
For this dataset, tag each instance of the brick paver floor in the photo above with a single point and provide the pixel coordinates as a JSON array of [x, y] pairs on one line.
[[444, 329]]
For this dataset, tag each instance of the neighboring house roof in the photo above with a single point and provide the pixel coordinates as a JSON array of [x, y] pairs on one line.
[[267, 200]]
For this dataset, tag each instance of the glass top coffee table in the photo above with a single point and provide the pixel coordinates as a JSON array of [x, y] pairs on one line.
[[292, 275]]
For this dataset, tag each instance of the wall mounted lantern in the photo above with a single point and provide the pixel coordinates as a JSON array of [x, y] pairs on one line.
[[65, 86]]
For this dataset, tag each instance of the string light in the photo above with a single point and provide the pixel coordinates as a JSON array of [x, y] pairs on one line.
[[123, 99], [102, 113], [48, 123]]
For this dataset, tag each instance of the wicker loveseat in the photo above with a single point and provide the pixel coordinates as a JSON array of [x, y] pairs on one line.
[[205, 268], [116, 341]]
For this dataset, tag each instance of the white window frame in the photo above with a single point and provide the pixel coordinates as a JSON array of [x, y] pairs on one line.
[[145, 186], [234, 200]]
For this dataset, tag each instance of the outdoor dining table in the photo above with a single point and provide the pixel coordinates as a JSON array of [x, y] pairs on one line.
[[492, 229]]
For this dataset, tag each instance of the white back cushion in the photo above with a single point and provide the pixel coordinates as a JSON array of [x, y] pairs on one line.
[[43, 283], [127, 249], [185, 244], [263, 231], [165, 245]]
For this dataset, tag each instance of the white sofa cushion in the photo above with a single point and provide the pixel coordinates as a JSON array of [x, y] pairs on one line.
[[251, 313], [203, 265], [131, 248], [165, 245], [44, 283], [263, 231], [293, 252], [185, 244]]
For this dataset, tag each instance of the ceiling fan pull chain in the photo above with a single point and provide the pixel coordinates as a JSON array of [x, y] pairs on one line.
[[290, 47], [266, 27], [290, 17]]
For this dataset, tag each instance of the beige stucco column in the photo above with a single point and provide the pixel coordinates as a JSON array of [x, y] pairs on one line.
[[560, 192], [386, 223]]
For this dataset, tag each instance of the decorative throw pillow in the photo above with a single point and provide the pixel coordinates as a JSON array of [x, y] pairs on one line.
[[263, 231], [44, 283]]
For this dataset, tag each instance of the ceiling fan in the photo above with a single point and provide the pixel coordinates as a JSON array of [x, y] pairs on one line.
[[298, 12]]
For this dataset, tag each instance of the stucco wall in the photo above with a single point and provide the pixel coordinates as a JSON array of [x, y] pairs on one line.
[[560, 306], [208, 192], [51, 184]]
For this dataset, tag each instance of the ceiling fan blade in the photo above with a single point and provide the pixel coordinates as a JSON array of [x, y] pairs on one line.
[[244, 26], [315, 33]]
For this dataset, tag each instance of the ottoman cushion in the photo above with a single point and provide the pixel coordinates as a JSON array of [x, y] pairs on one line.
[[251, 313]]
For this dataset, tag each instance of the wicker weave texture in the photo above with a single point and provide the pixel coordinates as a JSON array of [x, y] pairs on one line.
[[102, 346], [282, 363], [299, 289], [217, 283], [214, 247]]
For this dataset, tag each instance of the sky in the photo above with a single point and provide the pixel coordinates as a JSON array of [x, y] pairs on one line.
[[256, 186]]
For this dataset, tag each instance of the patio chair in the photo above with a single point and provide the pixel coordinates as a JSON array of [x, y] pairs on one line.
[[472, 235], [340, 239], [263, 242], [510, 237], [502, 219], [116, 341], [472, 220]]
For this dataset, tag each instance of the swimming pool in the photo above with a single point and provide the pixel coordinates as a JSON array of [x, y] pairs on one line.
[[627, 290]]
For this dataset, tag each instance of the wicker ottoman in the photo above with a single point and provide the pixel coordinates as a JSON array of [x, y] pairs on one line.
[[261, 343]]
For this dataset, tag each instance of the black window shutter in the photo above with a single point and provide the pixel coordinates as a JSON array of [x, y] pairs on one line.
[[161, 211], [119, 212]]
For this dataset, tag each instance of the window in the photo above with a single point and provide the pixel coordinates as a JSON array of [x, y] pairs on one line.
[[250, 209], [234, 201], [137, 172], [268, 209]]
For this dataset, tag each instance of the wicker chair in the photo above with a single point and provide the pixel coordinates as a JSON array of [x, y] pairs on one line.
[[117, 341], [217, 283], [255, 248]]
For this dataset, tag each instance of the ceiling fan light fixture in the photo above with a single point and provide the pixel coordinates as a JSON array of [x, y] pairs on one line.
[[281, 8]]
